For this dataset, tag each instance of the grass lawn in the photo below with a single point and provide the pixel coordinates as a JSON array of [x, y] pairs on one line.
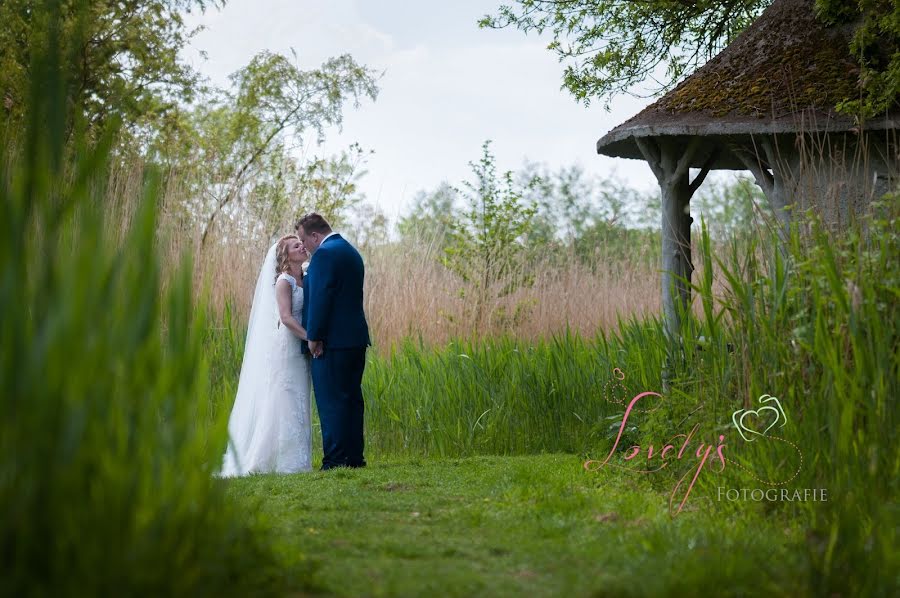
[[518, 526]]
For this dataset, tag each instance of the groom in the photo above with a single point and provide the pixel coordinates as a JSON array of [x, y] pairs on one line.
[[338, 336]]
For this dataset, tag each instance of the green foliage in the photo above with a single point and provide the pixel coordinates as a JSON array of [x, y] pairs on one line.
[[106, 452], [231, 153], [610, 46], [242, 141], [329, 186], [876, 46], [600, 221], [123, 56], [569, 202], [817, 326], [495, 397], [618, 249], [370, 226], [731, 209], [485, 245], [430, 216]]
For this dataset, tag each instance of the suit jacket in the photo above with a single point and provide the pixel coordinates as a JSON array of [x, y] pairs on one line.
[[333, 292]]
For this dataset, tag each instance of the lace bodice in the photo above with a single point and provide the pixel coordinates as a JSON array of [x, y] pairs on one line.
[[296, 295]]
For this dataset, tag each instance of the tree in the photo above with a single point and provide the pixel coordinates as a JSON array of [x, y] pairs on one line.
[[368, 226], [593, 217], [731, 208], [570, 201], [609, 46], [329, 186], [485, 245], [121, 57], [876, 45], [430, 216], [247, 134]]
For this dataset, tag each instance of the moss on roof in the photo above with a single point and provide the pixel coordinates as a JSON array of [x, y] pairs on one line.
[[784, 74], [785, 63]]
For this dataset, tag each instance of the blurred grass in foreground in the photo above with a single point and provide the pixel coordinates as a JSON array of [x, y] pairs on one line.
[[106, 452]]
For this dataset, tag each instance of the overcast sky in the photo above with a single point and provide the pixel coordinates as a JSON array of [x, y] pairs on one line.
[[447, 87]]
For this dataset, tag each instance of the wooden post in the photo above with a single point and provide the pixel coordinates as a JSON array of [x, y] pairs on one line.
[[676, 252], [670, 162]]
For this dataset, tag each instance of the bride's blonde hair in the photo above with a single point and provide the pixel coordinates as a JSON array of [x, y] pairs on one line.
[[281, 254]]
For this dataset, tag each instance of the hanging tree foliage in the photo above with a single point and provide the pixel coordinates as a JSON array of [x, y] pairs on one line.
[[610, 46]]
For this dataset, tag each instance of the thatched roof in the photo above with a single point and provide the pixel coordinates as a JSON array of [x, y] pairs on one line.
[[783, 74]]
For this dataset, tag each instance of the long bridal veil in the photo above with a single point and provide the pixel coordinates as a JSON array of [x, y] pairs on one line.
[[253, 423]]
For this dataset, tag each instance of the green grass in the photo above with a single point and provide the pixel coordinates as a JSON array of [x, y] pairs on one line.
[[512, 526]]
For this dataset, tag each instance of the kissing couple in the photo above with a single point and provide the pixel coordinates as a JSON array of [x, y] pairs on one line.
[[307, 330]]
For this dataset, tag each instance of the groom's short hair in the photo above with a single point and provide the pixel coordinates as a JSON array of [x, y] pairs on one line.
[[313, 223]]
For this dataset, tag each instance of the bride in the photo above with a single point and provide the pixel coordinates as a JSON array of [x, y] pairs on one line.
[[270, 428]]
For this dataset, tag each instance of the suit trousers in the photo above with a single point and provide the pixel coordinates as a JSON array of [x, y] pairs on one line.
[[337, 384]]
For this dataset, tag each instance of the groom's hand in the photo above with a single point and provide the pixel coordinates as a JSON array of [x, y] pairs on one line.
[[316, 348]]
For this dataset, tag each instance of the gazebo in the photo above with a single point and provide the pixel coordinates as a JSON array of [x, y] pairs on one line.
[[764, 104]]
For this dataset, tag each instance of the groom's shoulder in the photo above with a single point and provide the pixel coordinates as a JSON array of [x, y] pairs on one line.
[[338, 243]]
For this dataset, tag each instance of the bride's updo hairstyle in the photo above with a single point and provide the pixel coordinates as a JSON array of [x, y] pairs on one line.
[[281, 254]]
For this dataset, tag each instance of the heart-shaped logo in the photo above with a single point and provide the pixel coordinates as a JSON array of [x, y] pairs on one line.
[[749, 421]]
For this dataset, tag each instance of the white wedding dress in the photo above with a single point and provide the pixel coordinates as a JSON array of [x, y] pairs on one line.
[[270, 428]]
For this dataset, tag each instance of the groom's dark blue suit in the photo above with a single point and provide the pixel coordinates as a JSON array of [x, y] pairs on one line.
[[333, 313]]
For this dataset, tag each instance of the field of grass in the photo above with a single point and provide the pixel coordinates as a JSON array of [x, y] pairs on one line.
[[518, 526]]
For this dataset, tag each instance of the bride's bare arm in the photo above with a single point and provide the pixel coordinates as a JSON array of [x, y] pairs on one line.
[[283, 295]]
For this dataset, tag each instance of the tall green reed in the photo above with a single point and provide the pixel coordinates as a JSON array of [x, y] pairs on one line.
[[106, 452], [816, 323], [498, 396], [493, 396]]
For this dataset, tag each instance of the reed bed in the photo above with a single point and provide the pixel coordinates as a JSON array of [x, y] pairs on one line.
[[410, 294]]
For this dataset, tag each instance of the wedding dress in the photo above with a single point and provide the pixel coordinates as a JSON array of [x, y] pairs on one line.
[[270, 428]]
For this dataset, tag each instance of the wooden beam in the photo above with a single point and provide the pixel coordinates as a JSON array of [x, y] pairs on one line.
[[650, 150], [757, 168], [773, 177], [704, 170], [683, 162]]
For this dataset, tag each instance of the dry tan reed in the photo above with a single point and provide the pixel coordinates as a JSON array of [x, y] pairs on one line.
[[409, 294]]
